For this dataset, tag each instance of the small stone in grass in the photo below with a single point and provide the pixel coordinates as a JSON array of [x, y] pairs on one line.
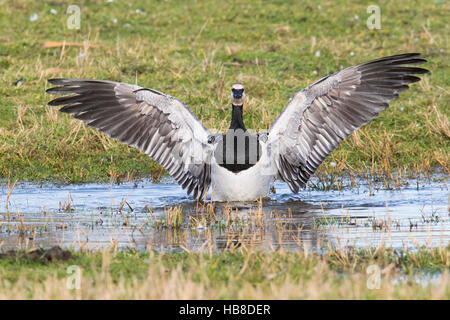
[[33, 17]]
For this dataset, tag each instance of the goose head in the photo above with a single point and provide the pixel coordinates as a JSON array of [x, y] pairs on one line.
[[237, 95]]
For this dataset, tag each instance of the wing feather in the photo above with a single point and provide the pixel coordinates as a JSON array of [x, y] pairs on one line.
[[319, 117], [159, 125]]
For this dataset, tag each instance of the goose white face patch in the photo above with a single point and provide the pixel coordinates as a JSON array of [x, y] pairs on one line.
[[237, 86], [237, 94]]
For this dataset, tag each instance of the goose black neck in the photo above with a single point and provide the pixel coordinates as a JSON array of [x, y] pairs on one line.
[[236, 119]]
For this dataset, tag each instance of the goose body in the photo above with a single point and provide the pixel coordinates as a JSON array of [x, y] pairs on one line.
[[237, 165], [245, 185]]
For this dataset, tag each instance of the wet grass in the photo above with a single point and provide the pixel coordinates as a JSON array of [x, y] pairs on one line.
[[241, 274], [195, 52], [227, 226]]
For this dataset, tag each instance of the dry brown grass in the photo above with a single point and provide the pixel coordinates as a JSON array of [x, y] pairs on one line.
[[192, 279]]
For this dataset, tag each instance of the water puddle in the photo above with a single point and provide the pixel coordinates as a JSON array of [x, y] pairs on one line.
[[144, 215]]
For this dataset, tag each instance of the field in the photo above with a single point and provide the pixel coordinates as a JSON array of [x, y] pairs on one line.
[[195, 51], [241, 274]]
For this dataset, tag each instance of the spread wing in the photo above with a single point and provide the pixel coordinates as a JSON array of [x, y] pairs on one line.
[[159, 125], [320, 116]]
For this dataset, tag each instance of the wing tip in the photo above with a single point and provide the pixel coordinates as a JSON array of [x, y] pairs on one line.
[[53, 103], [62, 82], [58, 81]]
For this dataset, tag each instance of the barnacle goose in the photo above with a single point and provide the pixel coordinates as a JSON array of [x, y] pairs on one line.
[[237, 165]]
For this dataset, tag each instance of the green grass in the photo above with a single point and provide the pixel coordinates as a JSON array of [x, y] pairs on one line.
[[237, 274], [195, 52]]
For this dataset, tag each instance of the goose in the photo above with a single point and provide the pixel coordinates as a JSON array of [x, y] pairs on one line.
[[238, 165]]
